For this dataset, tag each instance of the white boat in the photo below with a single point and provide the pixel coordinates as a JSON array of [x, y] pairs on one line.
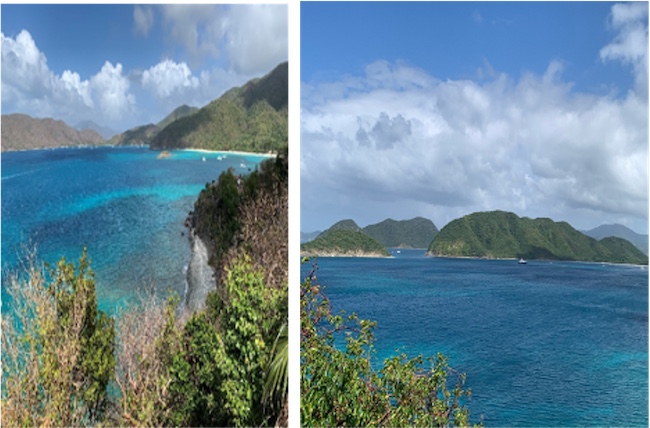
[[522, 262], [203, 159], [219, 158]]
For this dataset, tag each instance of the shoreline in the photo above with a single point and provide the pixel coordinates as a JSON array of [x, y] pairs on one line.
[[534, 260], [229, 152]]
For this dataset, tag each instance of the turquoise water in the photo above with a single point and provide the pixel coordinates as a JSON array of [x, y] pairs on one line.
[[125, 205], [542, 344]]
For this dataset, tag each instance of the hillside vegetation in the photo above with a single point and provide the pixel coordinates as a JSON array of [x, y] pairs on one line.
[[253, 118], [142, 135], [415, 233], [340, 242], [499, 234], [23, 132]]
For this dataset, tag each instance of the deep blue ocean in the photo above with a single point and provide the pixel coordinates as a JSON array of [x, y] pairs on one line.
[[125, 205], [542, 344]]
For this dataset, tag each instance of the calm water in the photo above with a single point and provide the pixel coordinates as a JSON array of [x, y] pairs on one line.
[[124, 204], [542, 344]]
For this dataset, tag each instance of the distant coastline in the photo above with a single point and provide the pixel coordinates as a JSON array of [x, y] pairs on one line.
[[230, 152]]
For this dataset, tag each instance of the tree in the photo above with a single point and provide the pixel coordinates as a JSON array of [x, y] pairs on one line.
[[340, 387], [57, 348]]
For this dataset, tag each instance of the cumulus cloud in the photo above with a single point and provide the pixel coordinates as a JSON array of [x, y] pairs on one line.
[[28, 85], [398, 142], [167, 77], [112, 89]]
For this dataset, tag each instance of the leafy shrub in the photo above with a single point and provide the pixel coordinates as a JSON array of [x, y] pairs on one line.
[[57, 348], [340, 387]]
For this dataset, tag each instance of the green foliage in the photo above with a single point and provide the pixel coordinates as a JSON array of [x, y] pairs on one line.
[[58, 350], [218, 376], [343, 242], [415, 233], [217, 215], [251, 118], [340, 387], [178, 112], [500, 234], [138, 136]]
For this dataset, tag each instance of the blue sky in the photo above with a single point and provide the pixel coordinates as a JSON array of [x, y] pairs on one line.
[[126, 65], [442, 109]]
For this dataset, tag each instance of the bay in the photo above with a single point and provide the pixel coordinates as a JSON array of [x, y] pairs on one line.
[[542, 344], [125, 205]]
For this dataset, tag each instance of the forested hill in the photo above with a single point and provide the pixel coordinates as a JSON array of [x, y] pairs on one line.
[[499, 234], [251, 118], [343, 242], [415, 233], [23, 132], [142, 135]]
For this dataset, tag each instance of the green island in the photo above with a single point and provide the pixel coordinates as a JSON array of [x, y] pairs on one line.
[[343, 243], [504, 235], [372, 240]]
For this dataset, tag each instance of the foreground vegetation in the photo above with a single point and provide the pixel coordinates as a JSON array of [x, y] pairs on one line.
[[340, 386], [66, 363]]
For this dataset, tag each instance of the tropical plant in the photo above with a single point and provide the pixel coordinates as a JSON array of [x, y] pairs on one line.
[[57, 347], [341, 387]]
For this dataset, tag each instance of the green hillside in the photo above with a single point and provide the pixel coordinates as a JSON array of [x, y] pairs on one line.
[[415, 233], [347, 224], [249, 118], [178, 112], [343, 243], [499, 234], [138, 136]]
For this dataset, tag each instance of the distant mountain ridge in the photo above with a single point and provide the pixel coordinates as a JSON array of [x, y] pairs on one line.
[[23, 132], [309, 236], [253, 117], [500, 234], [415, 233], [618, 230], [104, 131]]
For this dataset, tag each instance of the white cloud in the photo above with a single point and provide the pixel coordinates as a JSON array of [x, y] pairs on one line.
[[253, 38], [197, 28], [142, 19], [167, 77], [630, 45], [257, 37], [398, 142], [112, 89]]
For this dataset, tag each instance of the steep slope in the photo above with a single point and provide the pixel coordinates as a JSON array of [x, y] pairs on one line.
[[606, 230], [139, 136], [500, 234], [249, 118], [344, 243], [142, 135], [415, 233], [309, 236], [178, 112], [347, 224], [23, 132]]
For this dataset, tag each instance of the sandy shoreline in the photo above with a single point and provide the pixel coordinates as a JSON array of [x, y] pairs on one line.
[[229, 152]]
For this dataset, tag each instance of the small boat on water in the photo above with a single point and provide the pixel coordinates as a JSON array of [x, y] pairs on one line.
[[522, 262], [203, 159]]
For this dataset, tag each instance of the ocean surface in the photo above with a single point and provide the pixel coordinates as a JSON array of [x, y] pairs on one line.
[[124, 204], [542, 344]]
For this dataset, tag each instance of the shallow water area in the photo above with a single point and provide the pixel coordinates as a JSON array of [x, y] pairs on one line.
[[542, 344], [126, 205]]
